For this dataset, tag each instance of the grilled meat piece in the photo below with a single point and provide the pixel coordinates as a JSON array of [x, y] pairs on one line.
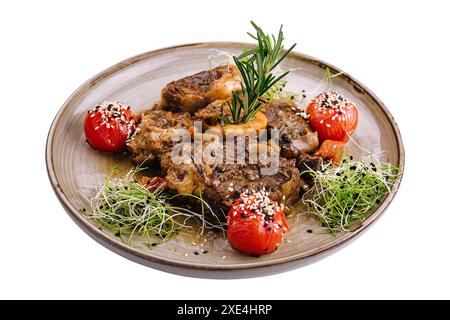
[[209, 115], [308, 162], [185, 170], [197, 91], [228, 181], [223, 182], [184, 178], [155, 133], [296, 136], [305, 162]]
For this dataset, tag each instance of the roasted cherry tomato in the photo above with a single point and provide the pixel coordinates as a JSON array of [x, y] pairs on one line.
[[256, 224], [154, 183], [333, 116], [107, 126], [331, 150]]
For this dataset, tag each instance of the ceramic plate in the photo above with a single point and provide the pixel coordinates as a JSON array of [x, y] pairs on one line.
[[74, 168]]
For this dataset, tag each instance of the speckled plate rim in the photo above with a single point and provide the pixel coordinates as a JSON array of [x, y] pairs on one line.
[[194, 269]]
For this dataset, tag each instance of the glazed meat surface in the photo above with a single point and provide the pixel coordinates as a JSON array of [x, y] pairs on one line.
[[228, 181], [155, 133], [224, 182], [197, 91], [296, 136], [210, 114]]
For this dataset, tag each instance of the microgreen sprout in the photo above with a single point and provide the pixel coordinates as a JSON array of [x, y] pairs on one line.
[[345, 195], [326, 81], [127, 208]]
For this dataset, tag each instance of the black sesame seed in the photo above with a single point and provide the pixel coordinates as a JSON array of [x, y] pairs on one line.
[[154, 244], [196, 253], [117, 234], [205, 251], [235, 195], [309, 231]]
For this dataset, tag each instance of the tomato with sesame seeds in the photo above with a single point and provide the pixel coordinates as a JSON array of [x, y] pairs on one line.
[[333, 116], [108, 126], [256, 224]]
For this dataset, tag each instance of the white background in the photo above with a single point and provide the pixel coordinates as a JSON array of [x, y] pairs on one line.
[[400, 49]]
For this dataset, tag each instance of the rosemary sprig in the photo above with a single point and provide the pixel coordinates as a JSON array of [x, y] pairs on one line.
[[256, 66]]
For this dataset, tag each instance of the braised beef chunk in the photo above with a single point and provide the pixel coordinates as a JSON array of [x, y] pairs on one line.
[[183, 170], [197, 91], [305, 162], [155, 133], [210, 114], [184, 178], [228, 181], [224, 182], [296, 136]]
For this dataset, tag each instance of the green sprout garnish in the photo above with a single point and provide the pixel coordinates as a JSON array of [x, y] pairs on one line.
[[345, 195], [256, 68], [127, 208]]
